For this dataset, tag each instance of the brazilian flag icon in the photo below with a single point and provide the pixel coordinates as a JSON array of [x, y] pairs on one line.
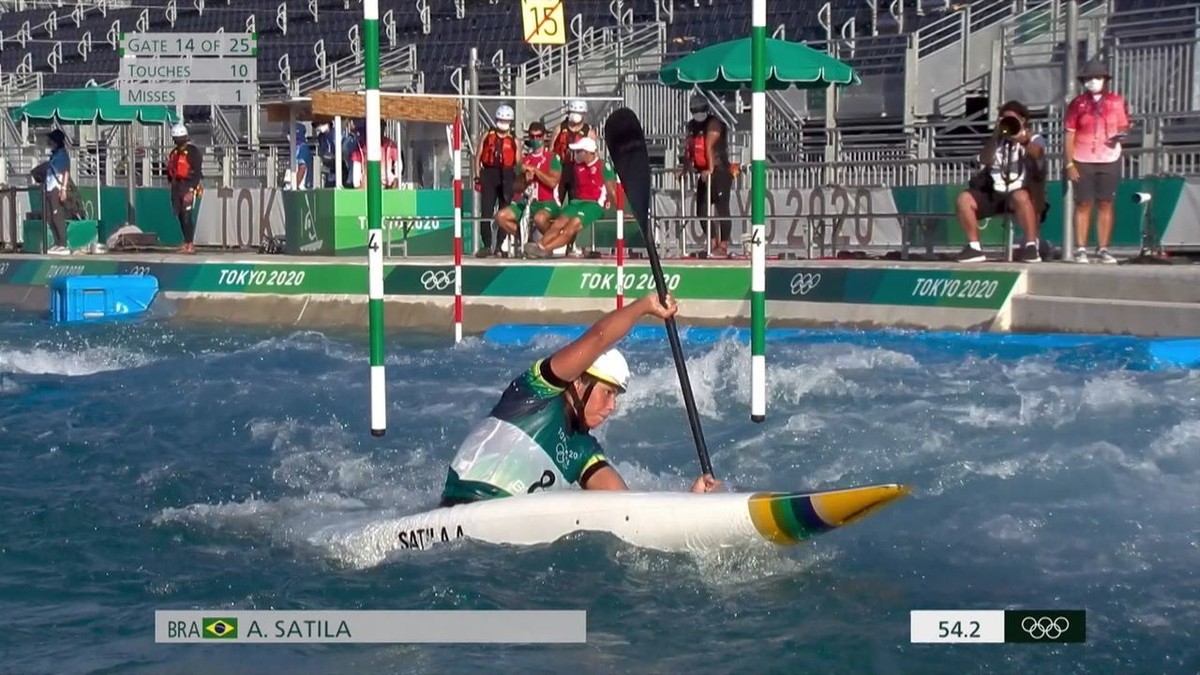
[[220, 629]]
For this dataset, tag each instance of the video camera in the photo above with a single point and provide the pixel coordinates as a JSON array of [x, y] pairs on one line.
[[1009, 126]]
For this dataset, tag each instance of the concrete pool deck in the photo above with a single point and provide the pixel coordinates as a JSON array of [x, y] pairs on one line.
[[329, 292]]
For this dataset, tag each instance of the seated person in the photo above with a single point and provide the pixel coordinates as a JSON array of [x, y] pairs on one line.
[[588, 201], [1011, 180], [541, 169]]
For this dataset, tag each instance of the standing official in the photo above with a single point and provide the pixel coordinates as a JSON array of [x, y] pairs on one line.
[[496, 163], [1096, 123], [184, 175], [706, 153]]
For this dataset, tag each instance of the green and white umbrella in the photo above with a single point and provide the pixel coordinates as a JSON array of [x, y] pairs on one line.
[[762, 64], [728, 66], [94, 105]]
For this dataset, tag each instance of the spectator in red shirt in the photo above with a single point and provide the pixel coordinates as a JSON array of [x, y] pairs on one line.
[[1096, 123]]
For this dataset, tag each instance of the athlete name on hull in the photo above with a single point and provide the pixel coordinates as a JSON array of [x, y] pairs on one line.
[[423, 538]]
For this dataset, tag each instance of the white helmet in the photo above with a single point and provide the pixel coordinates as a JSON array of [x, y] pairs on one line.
[[505, 113], [178, 131], [611, 367], [577, 106]]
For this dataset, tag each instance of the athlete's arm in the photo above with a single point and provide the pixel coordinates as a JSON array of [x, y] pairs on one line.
[[568, 363], [603, 478]]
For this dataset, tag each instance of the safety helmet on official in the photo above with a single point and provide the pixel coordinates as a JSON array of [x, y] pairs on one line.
[[504, 117], [179, 133], [576, 109], [698, 105]]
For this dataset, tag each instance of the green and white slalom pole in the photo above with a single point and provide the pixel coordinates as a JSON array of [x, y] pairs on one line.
[[374, 180], [758, 208]]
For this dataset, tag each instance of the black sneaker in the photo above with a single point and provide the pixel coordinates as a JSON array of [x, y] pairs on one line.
[[969, 254], [1030, 253]]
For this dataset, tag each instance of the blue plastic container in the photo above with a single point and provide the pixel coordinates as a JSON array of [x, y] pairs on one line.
[[99, 298]]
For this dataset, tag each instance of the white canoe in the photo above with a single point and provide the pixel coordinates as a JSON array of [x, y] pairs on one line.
[[665, 521]]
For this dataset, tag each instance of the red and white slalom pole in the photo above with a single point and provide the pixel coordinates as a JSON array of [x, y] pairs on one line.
[[620, 244], [456, 158]]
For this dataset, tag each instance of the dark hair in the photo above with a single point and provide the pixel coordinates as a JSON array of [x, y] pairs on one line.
[[58, 138], [1016, 107], [535, 127]]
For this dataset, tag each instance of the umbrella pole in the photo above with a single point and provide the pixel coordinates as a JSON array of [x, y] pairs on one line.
[[130, 192], [758, 198], [99, 184], [374, 181]]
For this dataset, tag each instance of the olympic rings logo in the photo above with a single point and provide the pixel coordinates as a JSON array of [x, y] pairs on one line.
[[805, 282], [438, 280], [1045, 627]]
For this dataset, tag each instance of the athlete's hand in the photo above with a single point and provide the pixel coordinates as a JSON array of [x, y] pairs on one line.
[[706, 483], [652, 305], [1073, 174]]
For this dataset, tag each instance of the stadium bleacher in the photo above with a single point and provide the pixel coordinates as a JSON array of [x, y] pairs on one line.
[[301, 40]]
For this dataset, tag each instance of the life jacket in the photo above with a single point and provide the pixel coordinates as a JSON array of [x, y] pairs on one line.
[[696, 145], [179, 164], [499, 150], [697, 149], [565, 137]]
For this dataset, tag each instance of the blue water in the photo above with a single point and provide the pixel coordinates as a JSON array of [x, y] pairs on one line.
[[161, 466]]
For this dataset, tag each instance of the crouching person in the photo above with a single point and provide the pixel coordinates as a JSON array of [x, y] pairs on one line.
[[1011, 180]]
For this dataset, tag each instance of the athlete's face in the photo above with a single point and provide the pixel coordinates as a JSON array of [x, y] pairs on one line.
[[600, 404]]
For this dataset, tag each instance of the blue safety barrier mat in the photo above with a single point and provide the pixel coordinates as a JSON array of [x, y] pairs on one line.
[[1153, 352]]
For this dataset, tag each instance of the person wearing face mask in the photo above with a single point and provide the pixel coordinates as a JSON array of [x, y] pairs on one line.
[[573, 128], [325, 153], [706, 152], [542, 169], [184, 175], [1096, 122], [496, 161], [304, 160], [57, 177]]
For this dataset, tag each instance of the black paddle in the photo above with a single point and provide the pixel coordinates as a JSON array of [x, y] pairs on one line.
[[627, 147]]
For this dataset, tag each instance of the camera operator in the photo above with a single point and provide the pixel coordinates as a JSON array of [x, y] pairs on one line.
[[1011, 180]]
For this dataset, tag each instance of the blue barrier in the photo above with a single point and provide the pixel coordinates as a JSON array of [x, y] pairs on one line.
[[1156, 352], [100, 298]]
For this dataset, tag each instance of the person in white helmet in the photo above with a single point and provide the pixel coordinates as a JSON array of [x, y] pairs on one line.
[[184, 176], [496, 159], [570, 131], [537, 437]]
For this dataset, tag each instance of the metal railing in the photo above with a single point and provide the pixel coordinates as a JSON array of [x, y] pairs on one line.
[[347, 72]]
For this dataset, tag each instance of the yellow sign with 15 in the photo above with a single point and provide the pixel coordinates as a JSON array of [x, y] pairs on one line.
[[544, 22]]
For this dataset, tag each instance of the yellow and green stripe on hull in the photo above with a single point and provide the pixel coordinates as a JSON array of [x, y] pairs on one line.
[[787, 518]]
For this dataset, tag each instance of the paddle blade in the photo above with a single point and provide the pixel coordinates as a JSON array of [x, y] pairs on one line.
[[626, 142]]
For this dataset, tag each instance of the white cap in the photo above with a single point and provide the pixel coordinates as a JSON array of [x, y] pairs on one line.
[[178, 130], [504, 112], [586, 143], [577, 106], [612, 368]]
